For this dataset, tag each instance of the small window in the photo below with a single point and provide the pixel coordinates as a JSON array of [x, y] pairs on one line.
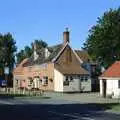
[[86, 78], [45, 80], [40, 81], [16, 81], [71, 79], [51, 80], [66, 82], [66, 78], [118, 83], [82, 78], [31, 81]]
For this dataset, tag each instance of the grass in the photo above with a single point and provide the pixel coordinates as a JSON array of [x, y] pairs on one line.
[[12, 95], [20, 95], [115, 108], [23, 96]]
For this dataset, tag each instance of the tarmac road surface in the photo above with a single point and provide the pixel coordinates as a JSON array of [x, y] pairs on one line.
[[52, 109]]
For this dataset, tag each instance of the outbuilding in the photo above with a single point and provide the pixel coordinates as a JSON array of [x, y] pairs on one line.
[[110, 81]]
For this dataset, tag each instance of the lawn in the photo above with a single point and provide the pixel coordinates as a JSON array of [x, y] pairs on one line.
[[115, 108]]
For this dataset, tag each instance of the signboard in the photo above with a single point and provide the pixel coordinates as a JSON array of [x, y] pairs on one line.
[[3, 83]]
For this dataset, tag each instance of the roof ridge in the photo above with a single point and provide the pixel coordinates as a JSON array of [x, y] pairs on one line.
[[54, 45], [113, 70]]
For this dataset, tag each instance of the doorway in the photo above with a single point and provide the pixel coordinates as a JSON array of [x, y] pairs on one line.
[[104, 88]]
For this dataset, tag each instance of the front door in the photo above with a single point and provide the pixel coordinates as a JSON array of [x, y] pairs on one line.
[[104, 88], [36, 83]]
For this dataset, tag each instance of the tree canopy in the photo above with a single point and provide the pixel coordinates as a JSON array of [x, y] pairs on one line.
[[39, 44], [28, 51], [7, 50], [103, 42]]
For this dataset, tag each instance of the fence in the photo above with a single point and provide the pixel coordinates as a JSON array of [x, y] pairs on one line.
[[21, 92]]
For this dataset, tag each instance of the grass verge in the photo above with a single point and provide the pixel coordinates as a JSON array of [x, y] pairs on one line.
[[115, 108], [7, 96]]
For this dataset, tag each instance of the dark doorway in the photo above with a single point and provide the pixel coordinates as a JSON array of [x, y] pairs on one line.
[[104, 88]]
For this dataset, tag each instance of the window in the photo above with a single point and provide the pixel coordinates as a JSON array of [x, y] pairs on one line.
[[51, 80], [30, 81], [66, 82], [84, 78], [66, 78], [71, 79], [118, 83], [45, 78], [40, 81], [16, 81]]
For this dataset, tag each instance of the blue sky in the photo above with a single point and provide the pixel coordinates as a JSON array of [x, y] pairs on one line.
[[47, 19]]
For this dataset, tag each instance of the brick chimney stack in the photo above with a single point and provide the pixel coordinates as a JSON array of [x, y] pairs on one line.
[[66, 36]]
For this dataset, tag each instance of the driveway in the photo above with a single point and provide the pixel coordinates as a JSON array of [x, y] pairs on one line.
[[58, 107]]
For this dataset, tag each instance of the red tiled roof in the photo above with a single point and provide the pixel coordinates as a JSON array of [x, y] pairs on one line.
[[113, 70]]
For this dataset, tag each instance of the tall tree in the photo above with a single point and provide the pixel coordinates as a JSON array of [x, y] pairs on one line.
[[40, 44], [27, 51], [20, 56], [7, 50], [103, 42]]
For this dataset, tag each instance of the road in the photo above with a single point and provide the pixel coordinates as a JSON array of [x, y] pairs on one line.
[[53, 109]]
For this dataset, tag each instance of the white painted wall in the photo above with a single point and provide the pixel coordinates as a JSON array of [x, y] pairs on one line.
[[111, 88], [58, 81], [86, 85], [101, 88], [74, 86]]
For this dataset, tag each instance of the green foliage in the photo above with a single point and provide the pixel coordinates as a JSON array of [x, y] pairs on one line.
[[103, 42], [39, 44], [7, 50], [28, 51], [20, 56]]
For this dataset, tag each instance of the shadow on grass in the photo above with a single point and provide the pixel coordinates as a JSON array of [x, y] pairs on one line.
[[48, 111], [12, 96]]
